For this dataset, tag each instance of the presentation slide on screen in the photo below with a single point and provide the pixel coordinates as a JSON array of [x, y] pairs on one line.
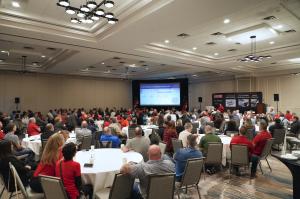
[[160, 94]]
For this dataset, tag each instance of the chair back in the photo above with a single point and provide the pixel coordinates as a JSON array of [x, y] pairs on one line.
[[267, 148], [278, 136], [239, 155], [96, 137], [162, 147], [229, 133], [122, 187], [195, 127], [105, 144], [192, 172], [249, 134], [44, 142], [86, 142], [161, 186], [53, 187], [214, 153], [131, 133], [177, 144], [18, 181]]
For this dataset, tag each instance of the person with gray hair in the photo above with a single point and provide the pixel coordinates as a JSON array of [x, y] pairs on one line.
[[209, 137], [184, 134], [33, 128], [182, 155], [49, 130], [81, 132]]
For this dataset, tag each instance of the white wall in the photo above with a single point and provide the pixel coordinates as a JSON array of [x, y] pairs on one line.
[[43, 92]]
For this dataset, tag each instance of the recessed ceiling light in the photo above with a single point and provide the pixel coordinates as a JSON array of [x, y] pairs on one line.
[[1, 60], [15, 4], [100, 11], [64, 2], [109, 15], [3, 51], [278, 27], [195, 75], [109, 4], [70, 11], [91, 4], [132, 65], [226, 21], [271, 42], [295, 60], [43, 56], [84, 8], [34, 63], [167, 41], [194, 48], [216, 54], [102, 63]]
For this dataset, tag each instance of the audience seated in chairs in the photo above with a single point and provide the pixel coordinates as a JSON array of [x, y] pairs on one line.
[[70, 173], [18, 150], [169, 133], [295, 126], [278, 125], [242, 139], [58, 124], [138, 144], [6, 156], [259, 144], [155, 165], [51, 154], [108, 136], [83, 131], [182, 155], [209, 137], [49, 130]]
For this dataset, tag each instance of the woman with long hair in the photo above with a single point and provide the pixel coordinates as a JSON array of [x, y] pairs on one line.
[[169, 133], [51, 154]]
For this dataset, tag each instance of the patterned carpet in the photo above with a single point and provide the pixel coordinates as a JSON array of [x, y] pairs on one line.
[[272, 185]]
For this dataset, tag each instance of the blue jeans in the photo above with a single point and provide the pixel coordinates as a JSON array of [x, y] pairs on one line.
[[254, 160]]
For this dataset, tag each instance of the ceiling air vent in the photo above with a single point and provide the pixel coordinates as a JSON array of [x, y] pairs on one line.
[[269, 18], [122, 62], [145, 65], [108, 66], [289, 31], [49, 48], [210, 43], [116, 58], [91, 67], [232, 50], [28, 48], [183, 35], [113, 69], [273, 63], [217, 34]]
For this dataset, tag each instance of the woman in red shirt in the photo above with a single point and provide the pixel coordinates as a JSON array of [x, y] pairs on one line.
[[69, 171], [169, 133], [51, 154]]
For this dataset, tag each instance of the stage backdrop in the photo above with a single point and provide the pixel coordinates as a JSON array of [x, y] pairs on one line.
[[242, 101]]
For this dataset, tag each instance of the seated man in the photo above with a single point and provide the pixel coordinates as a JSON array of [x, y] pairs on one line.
[[242, 139], [295, 126], [209, 137], [139, 144], [33, 128], [49, 130], [155, 165], [182, 155], [18, 150], [277, 125], [107, 136], [80, 133], [259, 144], [184, 134]]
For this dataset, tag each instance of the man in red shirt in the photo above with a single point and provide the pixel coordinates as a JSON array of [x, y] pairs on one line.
[[33, 128], [243, 140], [259, 143], [288, 115]]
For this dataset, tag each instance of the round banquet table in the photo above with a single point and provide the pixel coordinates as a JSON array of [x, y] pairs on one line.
[[107, 162], [146, 128], [34, 142], [226, 146]]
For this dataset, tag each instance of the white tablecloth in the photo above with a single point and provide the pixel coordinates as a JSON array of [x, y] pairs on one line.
[[107, 163], [35, 144], [146, 128], [226, 147]]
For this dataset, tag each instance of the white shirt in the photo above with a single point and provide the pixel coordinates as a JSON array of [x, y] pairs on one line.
[[183, 136]]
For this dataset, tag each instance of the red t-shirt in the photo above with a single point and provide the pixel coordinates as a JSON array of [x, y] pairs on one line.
[[242, 140], [106, 123], [289, 117], [45, 169], [1, 135], [33, 129], [260, 141], [70, 170]]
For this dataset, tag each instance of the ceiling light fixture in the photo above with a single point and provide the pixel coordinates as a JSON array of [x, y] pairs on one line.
[[64, 3], [194, 48], [70, 11], [15, 4], [109, 4], [216, 54], [226, 21], [43, 56], [102, 63], [167, 41], [278, 27], [91, 11], [271, 42], [1, 60], [252, 56]]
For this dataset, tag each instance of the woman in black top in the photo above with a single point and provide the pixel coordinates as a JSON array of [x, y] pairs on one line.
[[7, 156]]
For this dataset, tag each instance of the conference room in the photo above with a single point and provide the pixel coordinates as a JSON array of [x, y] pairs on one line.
[[149, 99]]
